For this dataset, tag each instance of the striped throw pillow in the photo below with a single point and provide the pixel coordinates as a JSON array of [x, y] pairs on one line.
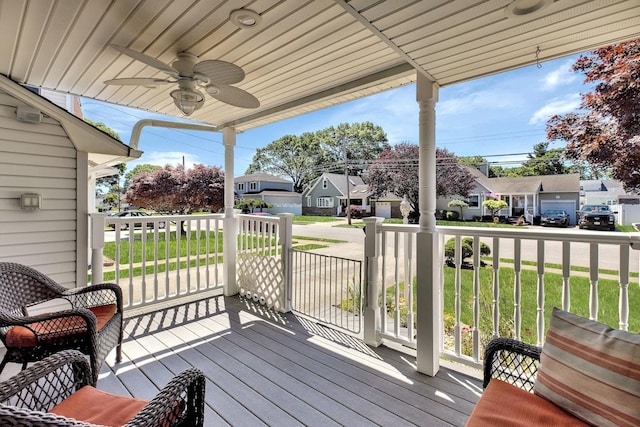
[[591, 371]]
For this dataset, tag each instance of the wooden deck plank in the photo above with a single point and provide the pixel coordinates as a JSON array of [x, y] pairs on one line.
[[293, 381], [266, 368], [387, 399], [343, 386]]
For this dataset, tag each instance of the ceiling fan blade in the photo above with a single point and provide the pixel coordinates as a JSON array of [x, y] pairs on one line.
[[234, 96], [137, 81], [219, 72], [152, 62]]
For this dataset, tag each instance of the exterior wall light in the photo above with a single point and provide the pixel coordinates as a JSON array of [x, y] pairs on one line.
[[30, 201]]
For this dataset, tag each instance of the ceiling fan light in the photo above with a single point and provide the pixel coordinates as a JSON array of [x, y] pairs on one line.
[[525, 8], [212, 89], [187, 100], [245, 18]]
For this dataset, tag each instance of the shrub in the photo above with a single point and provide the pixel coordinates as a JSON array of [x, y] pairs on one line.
[[452, 216], [355, 211], [467, 249]]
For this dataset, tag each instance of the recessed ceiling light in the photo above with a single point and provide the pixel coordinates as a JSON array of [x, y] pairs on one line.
[[245, 18], [523, 8]]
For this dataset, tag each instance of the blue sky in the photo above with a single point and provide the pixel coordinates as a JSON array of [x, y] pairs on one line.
[[498, 117]]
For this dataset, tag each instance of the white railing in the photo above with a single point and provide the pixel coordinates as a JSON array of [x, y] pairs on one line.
[[528, 272], [158, 258]]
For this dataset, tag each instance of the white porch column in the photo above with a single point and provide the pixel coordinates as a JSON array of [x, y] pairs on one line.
[[97, 246], [428, 257], [230, 228]]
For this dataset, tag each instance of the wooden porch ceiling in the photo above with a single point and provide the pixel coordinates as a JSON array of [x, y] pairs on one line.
[[306, 55], [268, 369]]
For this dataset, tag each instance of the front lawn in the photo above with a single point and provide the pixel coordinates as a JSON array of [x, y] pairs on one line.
[[608, 293]]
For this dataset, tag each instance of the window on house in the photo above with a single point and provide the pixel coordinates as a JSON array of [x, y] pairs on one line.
[[473, 201], [325, 202], [253, 186], [324, 183], [308, 200], [241, 186]]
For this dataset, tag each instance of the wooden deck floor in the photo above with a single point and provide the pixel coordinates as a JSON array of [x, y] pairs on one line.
[[279, 370]]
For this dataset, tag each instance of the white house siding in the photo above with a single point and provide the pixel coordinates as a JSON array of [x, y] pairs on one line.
[[37, 158]]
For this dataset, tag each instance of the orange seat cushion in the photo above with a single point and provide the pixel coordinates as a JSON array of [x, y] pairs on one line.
[[50, 330], [99, 407], [503, 404]]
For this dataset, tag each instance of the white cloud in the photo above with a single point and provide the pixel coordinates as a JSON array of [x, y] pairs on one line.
[[564, 105], [561, 76], [480, 101]]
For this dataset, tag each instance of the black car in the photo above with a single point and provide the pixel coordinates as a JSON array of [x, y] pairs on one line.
[[598, 217], [130, 214], [554, 217]]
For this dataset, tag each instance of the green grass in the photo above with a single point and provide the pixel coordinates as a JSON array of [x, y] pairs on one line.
[[310, 219], [608, 293], [194, 246], [559, 266], [318, 239], [309, 247]]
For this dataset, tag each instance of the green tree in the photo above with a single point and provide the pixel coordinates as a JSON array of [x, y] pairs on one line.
[[544, 161], [110, 184], [355, 143], [494, 205], [460, 204], [295, 157], [110, 201]]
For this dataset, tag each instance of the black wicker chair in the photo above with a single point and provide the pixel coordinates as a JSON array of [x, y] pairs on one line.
[[511, 361], [26, 398], [92, 324]]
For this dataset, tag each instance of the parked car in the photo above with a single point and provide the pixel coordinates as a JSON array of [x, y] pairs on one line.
[[597, 217], [554, 217], [127, 214]]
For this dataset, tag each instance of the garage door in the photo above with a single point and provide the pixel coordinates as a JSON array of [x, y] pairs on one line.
[[566, 205], [383, 209]]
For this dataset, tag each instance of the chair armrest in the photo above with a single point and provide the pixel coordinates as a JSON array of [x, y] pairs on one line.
[[89, 318], [512, 361], [10, 415], [93, 295], [180, 402], [46, 383]]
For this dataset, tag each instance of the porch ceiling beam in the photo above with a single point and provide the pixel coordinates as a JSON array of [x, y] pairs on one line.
[[397, 71], [374, 30]]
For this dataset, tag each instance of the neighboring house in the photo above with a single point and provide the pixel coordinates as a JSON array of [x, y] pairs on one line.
[[327, 195], [527, 196], [47, 156], [605, 192], [276, 191]]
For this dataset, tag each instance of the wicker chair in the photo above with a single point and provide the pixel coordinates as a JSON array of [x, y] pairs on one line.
[[92, 324], [36, 395], [511, 361]]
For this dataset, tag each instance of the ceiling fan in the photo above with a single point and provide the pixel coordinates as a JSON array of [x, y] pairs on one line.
[[214, 76]]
